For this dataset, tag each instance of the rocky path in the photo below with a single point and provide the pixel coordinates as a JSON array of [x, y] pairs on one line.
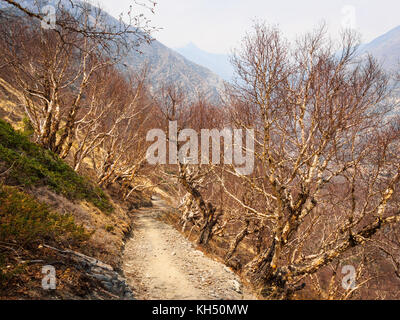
[[159, 263]]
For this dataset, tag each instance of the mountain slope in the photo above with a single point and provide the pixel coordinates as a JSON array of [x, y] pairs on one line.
[[386, 49], [169, 67], [165, 66], [218, 63], [47, 211]]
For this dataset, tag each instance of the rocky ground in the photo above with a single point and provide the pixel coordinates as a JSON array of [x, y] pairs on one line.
[[106, 282], [159, 263]]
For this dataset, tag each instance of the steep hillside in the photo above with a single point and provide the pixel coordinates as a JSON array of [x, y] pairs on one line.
[[165, 66], [49, 215], [386, 49], [218, 63], [169, 67]]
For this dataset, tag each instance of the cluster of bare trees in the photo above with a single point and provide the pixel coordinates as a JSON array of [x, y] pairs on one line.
[[69, 83], [197, 209], [324, 190], [328, 163], [111, 129]]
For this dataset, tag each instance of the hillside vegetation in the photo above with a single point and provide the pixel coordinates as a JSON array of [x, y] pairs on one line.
[[317, 190], [29, 165], [44, 202], [24, 225]]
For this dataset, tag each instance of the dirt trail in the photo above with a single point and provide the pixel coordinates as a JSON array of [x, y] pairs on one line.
[[159, 263]]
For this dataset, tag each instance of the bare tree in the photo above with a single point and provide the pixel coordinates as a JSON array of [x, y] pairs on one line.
[[49, 70], [195, 179], [327, 164], [80, 17], [112, 132]]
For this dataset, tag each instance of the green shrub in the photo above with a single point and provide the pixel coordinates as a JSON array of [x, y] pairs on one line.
[[28, 129], [109, 228], [33, 165], [27, 222]]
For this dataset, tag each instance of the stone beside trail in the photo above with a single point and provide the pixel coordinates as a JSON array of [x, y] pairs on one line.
[[113, 285], [159, 263]]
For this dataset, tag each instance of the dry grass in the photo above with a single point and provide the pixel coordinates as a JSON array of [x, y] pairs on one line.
[[103, 244]]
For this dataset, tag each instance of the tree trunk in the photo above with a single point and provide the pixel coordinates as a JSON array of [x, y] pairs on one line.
[[234, 244]]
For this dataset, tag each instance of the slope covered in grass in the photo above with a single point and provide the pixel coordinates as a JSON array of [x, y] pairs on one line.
[[26, 223], [43, 202], [27, 164]]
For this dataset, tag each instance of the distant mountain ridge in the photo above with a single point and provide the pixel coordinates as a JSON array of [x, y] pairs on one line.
[[199, 72], [386, 49], [218, 63], [169, 67], [165, 66]]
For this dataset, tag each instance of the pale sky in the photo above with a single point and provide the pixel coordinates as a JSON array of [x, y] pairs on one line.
[[218, 25]]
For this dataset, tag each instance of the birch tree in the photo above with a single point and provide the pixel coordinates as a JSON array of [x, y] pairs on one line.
[[327, 167], [49, 70], [195, 180]]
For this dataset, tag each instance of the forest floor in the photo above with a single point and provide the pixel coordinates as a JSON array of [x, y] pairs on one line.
[[159, 263]]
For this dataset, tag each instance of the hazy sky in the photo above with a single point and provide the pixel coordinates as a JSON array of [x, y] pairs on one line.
[[218, 25]]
